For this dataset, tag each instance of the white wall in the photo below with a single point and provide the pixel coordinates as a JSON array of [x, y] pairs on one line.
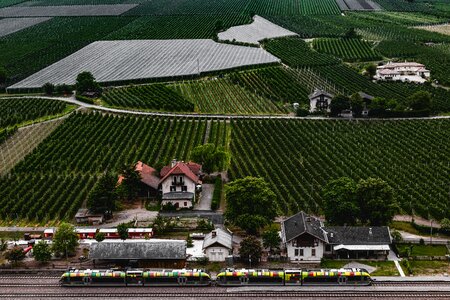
[[216, 253], [180, 203], [307, 253], [187, 182]]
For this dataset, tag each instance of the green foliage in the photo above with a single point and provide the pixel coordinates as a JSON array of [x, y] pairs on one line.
[[371, 70], [122, 230], [15, 255], [356, 104], [271, 238], [420, 100], [3, 75], [189, 241], [6, 133], [340, 206], [85, 82], [162, 225], [129, 187], [65, 239], [376, 201], [100, 236], [42, 252], [295, 52], [154, 96], [396, 236], [338, 104], [250, 249], [217, 194], [349, 49], [14, 111], [250, 199], [3, 244], [204, 225], [445, 223], [48, 88], [102, 198], [211, 158], [63, 89]]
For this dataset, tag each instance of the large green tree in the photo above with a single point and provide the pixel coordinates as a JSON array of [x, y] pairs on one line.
[[42, 252], [376, 201], [103, 197], [357, 104], [129, 187], [271, 238], [250, 250], [251, 198], [85, 82], [420, 100], [340, 206], [65, 240], [338, 104], [122, 230], [15, 255], [211, 158]]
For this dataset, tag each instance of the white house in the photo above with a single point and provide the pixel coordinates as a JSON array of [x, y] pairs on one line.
[[319, 100], [305, 238], [179, 184], [406, 72], [218, 244]]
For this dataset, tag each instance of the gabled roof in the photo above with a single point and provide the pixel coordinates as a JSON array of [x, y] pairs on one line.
[[151, 249], [301, 223], [178, 196], [148, 175], [180, 168], [358, 235], [365, 96], [319, 92], [222, 238]]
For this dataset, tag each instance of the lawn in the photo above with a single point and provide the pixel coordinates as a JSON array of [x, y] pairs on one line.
[[384, 268], [404, 226], [423, 250], [429, 267]]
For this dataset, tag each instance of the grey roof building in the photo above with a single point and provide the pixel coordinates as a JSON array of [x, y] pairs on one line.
[[218, 237], [301, 223]]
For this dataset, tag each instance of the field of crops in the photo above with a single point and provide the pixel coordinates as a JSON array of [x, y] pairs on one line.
[[66, 11], [5, 3], [295, 52], [52, 182], [16, 111], [11, 25], [221, 96], [293, 7], [347, 49], [154, 97], [118, 61], [299, 157]]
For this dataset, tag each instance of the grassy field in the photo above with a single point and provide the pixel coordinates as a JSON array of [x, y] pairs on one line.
[[383, 268], [423, 250], [429, 267]]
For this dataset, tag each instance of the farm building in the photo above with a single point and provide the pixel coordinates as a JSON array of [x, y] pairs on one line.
[[146, 254], [84, 215], [149, 181], [218, 244], [305, 238], [406, 72], [179, 183], [320, 100]]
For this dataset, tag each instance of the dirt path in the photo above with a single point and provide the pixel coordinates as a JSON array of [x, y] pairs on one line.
[[417, 220]]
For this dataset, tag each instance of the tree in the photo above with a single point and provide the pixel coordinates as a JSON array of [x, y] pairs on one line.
[[162, 224], [65, 240], [86, 83], [99, 237], [371, 70], [356, 104], [211, 158], [271, 238], [189, 241], [445, 224], [63, 89], [103, 196], [340, 205], [250, 196], [3, 75], [338, 104], [250, 223], [42, 252], [250, 250], [396, 236], [420, 100], [15, 255], [48, 88], [219, 25], [122, 230], [131, 181], [3, 245], [376, 201], [351, 34]]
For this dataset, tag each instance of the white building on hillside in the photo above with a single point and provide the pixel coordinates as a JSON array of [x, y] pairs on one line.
[[406, 72]]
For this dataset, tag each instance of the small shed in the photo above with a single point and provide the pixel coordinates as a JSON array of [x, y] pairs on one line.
[[110, 233], [49, 233], [86, 216], [140, 233], [218, 244], [155, 253]]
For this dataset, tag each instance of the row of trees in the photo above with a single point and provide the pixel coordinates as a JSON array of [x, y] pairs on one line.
[[85, 82]]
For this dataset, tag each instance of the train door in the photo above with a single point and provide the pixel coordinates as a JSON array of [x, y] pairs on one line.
[[87, 280], [243, 280], [134, 278], [182, 280], [342, 280]]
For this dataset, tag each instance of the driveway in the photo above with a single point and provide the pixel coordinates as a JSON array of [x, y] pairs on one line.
[[205, 198], [129, 215]]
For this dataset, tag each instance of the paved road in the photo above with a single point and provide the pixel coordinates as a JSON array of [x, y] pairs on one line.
[[205, 198], [215, 217]]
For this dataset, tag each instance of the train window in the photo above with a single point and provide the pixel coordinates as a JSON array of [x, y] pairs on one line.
[[76, 279], [320, 280], [107, 280], [354, 278], [164, 280], [232, 279], [265, 279]]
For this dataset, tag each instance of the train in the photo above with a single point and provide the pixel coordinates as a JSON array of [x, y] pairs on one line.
[[226, 277]]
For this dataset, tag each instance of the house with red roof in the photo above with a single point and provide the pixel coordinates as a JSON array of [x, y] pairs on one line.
[[149, 187], [179, 183]]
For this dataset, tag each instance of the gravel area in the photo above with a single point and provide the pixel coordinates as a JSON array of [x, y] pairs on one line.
[[66, 10], [112, 61], [205, 198], [11, 25], [252, 33]]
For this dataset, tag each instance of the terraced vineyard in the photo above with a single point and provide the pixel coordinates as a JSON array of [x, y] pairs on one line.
[[293, 7], [155, 97], [221, 96], [347, 49], [298, 157], [14, 111], [52, 182]]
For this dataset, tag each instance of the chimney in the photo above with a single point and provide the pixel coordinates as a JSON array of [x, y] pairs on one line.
[[213, 233], [370, 230], [173, 163]]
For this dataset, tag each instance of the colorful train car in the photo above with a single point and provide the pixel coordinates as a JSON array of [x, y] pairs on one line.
[[232, 277], [181, 277]]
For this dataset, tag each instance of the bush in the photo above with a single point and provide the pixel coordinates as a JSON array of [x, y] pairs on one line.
[[168, 207], [85, 99], [215, 203]]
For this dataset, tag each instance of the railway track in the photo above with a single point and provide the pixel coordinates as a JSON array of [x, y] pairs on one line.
[[242, 295]]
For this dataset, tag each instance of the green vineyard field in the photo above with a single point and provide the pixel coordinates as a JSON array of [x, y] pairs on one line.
[[347, 49]]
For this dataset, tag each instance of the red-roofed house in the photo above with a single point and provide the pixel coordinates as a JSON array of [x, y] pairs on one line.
[[179, 183], [149, 180]]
